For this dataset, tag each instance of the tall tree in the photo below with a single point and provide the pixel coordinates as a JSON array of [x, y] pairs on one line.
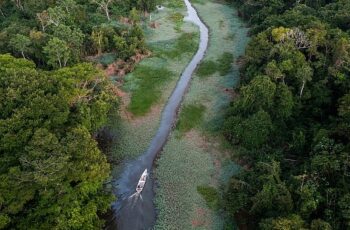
[[58, 52], [21, 43], [73, 37], [104, 5], [98, 40]]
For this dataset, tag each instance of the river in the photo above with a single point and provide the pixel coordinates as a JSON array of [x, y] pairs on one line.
[[136, 212]]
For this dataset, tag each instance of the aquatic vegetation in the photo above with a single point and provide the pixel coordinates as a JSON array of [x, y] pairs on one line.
[[148, 90], [177, 199], [182, 205], [225, 63], [207, 68], [178, 19], [185, 44], [210, 195], [175, 4], [190, 117]]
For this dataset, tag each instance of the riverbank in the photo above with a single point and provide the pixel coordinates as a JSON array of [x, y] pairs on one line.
[[194, 157]]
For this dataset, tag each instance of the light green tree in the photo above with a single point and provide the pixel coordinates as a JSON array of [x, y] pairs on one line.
[[58, 52], [68, 5], [259, 93], [134, 15], [98, 39], [291, 222], [104, 6], [20, 43], [73, 37], [121, 46]]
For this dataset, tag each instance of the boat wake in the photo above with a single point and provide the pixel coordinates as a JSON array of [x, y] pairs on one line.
[[136, 194]]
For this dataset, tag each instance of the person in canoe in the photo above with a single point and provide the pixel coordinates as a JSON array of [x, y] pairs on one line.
[[142, 182]]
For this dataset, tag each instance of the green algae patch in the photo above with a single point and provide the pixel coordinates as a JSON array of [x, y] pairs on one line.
[[210, 195], [207, 68], [186, 43], [225, 63], [178, 19], [148, 92], [190, 117]]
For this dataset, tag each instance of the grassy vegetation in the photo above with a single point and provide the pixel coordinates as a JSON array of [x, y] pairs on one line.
[[190, 117], [186, 43], [189, 160], [175, 4], [225, 63], [210, 195], [177, 19], [148, 90], [207, 68]]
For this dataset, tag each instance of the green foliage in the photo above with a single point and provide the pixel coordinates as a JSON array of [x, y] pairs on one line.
[[190, 117], [252, 131], [320, 225], [147, 5], [292, 222], [210, 195], [20, 43], [73, 37], [130, 44], [58, 53], [121, 47], [147, 92], [345, 208], [292, 109], [85, 26], [52, 171], [259, 94]]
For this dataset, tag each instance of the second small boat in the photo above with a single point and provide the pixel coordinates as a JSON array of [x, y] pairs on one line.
[[142, 182]]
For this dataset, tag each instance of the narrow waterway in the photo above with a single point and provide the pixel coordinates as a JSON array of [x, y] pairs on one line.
[[137, 211]]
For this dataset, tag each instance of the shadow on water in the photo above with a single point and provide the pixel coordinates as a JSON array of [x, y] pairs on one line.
[[137, 212]]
